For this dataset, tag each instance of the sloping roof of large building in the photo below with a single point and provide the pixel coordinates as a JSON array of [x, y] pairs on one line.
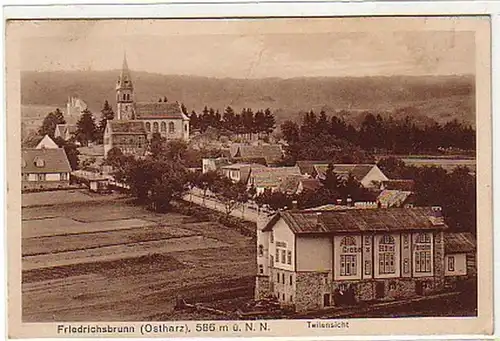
[[127, 127], [459, 242], [399, 184], [62, 129], [46, 142], [307, 167], [358, 220], [44, 161], [270, 153], [159, 110], [271, 177]]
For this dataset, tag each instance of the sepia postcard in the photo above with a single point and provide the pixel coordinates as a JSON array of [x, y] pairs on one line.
[[251, 177]]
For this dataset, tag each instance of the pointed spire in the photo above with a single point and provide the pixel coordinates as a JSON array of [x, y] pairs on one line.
[[124, 81]]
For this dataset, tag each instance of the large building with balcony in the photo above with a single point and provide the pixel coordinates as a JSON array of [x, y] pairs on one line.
[[312, 260]]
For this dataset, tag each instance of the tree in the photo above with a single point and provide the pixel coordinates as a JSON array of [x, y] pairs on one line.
[[206, 181], [50, 122], [230, 194], [175, 150], [269, 121], [274, 199], [331, 181], [86, 128], [106, 115], [170, 182], [157, 145], [71, 151]]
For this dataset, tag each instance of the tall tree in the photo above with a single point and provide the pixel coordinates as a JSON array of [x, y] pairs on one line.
[[269, 121], [107, 114], [86, 128], [71, 151], [50, 122]]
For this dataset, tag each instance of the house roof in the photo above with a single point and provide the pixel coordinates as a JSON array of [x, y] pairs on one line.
[[127, 127], [63, 128], [290, 183], [358, 220], [459, 242], [271, 152], [52, 161], [159, 110], [271, 177], [310, 184], [244, 168], [399, 184], [358, 171], [393, 198], [46, 142], [307, 167]]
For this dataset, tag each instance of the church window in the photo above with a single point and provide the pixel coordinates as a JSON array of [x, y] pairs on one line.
[[386, 249], [148, 127], [128, 97], [124, 97], [171, 127], [155, 127], [163, 126]]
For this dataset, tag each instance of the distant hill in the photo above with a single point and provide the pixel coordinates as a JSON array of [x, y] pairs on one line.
[[439, 98]]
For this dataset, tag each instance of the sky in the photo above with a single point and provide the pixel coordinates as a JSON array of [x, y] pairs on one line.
[[250, 49]]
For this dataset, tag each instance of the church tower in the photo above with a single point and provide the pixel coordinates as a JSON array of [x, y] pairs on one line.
[[124, 94]]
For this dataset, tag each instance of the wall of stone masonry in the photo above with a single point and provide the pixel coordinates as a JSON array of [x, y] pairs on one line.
[[310, 288], [439, 259], [471, 264], [262, 287]]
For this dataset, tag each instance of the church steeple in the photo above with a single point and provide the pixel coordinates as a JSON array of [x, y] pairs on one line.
[[125, 93]]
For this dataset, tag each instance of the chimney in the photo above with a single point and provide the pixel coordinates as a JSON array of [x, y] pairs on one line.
[[437, 215]]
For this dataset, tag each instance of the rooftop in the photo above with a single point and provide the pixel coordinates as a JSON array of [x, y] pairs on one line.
[[44, 161], [358, 220], [269, 177], [159, 110], [127, 127], [459, 242], [270, 153]]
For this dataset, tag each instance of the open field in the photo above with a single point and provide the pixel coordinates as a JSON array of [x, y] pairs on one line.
[[111, 261]]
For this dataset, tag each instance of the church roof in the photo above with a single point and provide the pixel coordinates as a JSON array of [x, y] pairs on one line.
[[127, 127], [159, 110]]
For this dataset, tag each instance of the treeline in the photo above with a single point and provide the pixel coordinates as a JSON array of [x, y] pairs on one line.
[[247, 122], [455, 191], [319, 135]]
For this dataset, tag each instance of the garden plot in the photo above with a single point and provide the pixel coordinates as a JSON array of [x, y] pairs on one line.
[[117, 252]]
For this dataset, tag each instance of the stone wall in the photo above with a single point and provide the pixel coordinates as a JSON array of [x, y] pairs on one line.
[[262, 287], [439, 258], [310, 288]]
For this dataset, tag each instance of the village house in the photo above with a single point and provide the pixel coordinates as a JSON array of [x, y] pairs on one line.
[[460, 260], [163, 118], [240, 172], [270, 178], [46, 143], [296, 184], [44, 168], [271, 153], [65, 131], [312, 260], [129, 136], [213, 164], [368, 175], [395, 198]]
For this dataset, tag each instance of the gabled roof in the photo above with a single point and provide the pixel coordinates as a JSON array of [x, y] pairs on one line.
[[47, 143], [307, 167], [399, 184], [271, 152], [159, 110], [62, 129], [244, 168], [49, 160], [358, 171], [459, 242], [393, 198], [126, 127], [358, 220], [310, 184], [271, 177]]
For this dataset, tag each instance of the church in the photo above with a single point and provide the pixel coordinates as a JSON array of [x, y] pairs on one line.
[[135, 122]]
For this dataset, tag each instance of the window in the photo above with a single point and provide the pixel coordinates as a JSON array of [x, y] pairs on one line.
[[278, 277], [64, 176], [163, 126], [451, 263], [171, 127], [283, 256], [347, 265], [186, 128], [124, 97], [386, 254], [277, 255], [261, 250], [272, 236], [289, 258], [291, 298], [283, 279], [155, 127], [40, 177], [39, 162], [291, 280], [348, 256], [261, 268], [148, 127], [423, 254]]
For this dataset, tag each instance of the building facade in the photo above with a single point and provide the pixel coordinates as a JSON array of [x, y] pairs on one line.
[[312, 260], [129, 136], [44, 168], [163, 118]]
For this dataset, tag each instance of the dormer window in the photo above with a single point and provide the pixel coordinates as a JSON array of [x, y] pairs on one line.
[[39, 162]]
